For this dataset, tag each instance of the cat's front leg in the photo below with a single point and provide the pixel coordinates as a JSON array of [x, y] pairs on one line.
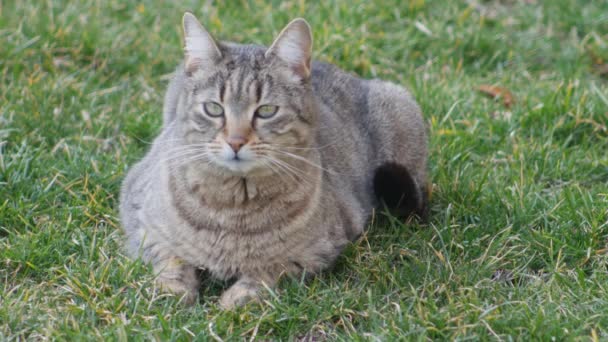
[[245, 289], [176, 276]]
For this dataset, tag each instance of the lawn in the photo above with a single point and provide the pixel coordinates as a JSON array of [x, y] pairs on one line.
[[517, 240]]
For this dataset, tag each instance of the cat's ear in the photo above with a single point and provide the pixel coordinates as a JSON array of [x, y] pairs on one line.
[[199, 46], [294, 46]]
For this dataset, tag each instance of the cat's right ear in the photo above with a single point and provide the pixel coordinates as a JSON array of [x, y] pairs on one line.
[[294, 46], [199, 46]]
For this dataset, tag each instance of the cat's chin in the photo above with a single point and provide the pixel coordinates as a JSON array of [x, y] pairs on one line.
[[241, 168]]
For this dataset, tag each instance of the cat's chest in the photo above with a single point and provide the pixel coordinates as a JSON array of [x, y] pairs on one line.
[[225, 225], [247, 215], [240, 206], [233, 245]]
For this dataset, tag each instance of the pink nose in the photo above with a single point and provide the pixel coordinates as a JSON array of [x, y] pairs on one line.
[[236, 142]]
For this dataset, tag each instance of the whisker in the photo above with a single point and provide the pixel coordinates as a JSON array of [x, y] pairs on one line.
[[174, 167], [296, 173], [182, 162], [186, 156], [274, 169], [281, 168], [303, 159], [186, 153]]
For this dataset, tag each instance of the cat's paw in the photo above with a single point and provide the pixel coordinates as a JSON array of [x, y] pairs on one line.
[[183, 290], [239, 294], [179, 278]]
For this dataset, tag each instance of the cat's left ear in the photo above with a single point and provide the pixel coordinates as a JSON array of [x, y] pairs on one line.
[[294, 46], [199, 45]]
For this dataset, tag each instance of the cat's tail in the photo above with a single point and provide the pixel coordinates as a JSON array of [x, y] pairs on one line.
[[395, 187]]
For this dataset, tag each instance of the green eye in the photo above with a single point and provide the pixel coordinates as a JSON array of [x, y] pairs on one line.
[[213, 109], [266, 111]]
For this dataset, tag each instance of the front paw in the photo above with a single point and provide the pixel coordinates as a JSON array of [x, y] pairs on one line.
[[239, 294], [177, 277], [182, 289]]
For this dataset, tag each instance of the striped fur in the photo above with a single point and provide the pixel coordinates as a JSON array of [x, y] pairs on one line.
[[305, 180]]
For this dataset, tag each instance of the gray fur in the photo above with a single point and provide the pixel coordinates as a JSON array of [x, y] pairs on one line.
[[187, 206]]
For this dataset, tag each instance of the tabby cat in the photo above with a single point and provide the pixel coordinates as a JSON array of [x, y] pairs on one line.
[[267, 164]]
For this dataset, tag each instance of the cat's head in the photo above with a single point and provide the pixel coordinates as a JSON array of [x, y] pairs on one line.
[[245, 107]]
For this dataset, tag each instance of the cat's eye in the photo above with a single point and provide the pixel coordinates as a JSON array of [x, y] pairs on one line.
[[213, 109], [266, 111]]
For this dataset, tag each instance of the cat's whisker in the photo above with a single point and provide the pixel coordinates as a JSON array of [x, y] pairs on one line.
[[186, 146], [183, 154], [182, 142], [283, 171], [303, 148], [296, 173], [187, 157], [174, 167], [276, 163], [303, 159], [204, 146], [189, 154], [306, 160], [311, 148], [284, 163], [275, 170], [171, 155]]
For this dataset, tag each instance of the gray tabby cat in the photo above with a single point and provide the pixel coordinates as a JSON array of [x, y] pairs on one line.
[[268, 164]]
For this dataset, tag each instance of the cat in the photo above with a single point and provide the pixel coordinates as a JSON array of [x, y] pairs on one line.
[[268, 163]]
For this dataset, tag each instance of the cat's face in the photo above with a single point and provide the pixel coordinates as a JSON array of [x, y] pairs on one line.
[[247, 108]]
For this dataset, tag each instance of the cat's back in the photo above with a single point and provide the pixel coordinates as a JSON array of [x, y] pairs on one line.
[[348, 94], [380, 112], [366, 126], [338, 89]]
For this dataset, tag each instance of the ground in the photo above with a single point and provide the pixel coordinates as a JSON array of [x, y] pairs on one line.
[[516, 243]]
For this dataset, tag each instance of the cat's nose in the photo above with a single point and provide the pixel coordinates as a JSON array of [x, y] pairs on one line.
[[236, 142]]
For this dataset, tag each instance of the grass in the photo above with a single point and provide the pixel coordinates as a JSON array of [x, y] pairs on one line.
[[516, 246]]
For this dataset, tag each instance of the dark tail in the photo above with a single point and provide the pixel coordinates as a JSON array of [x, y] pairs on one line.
[[395, 187]]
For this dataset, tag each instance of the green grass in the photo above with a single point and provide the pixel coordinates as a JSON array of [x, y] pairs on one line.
[[522, 191]]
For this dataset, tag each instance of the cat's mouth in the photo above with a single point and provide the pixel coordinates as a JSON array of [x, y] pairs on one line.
[[238, 165], [241, 163]]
